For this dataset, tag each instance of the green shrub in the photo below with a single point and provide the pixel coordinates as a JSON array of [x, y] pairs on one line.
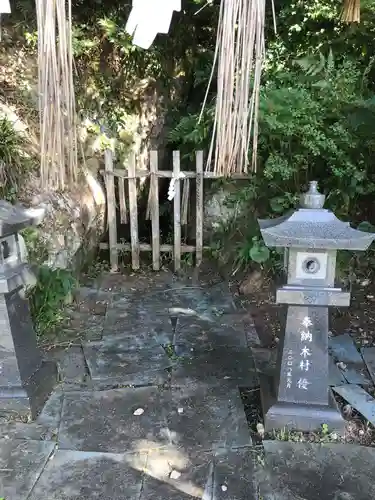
[[49, 297], [14, 163]]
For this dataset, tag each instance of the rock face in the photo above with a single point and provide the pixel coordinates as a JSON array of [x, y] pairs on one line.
[[75, 217], [216, 212], [252, 283], [74, 220]]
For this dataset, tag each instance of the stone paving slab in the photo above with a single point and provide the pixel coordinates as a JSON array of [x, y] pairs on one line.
[[146, 328], [73, 475], [20, 430], [51, 413], [311, 471], [227, 330], [265, 360], [71, 364], [91, 300], [232, 366], [343, 349], [235, 475], [45, 428], [368, 355], [82, 325], [209, 302], [21, 463], [141, 331], [358, 399], [104, 421], [118, 283], [111, 362], [206, 302], [207, 418], [173, 475], [336, 376]]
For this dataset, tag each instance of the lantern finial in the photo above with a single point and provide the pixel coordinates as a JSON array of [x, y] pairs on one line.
[[312, 199]]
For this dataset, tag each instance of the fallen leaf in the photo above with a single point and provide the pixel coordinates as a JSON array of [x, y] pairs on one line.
[[175, 474]]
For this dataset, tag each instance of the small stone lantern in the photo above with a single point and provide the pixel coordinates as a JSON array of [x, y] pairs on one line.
[[26, 379], [301, 399]]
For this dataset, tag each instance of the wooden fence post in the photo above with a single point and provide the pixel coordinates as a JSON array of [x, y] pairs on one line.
[[111, 210], [154, 188], [122, 200], [199, 208], [177, 210], [133, 210]]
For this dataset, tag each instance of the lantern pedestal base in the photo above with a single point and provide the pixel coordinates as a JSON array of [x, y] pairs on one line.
[[298, 417], [26, 378], [28, 400]]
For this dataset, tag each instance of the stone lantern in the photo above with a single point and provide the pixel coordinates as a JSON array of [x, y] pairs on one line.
[[301, 398], [26, 379]]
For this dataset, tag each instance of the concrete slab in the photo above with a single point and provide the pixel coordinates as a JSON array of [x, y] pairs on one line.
[[336, 376], [368, 354], [343, 349], [207, 418], [173, 475], [111, 363], [265, 360], [21, 463], [71, 364], [140, 330], [44, 428], [114, 421], [232, 366], [227, 330], [91, 476], [51, 414], [19, 430], [359, 399], [84, 326], [234, 475], [331, 471], [212, 302]]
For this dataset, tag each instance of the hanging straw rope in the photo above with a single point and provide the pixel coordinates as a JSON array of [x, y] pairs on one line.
[[58, 139], [239, 55], [351, 11]]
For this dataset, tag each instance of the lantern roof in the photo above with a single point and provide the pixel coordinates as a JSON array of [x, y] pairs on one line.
[[312, 226], [14, 218]]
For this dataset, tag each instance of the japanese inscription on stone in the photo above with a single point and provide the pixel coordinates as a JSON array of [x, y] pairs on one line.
[[305, 363], [289, 369]]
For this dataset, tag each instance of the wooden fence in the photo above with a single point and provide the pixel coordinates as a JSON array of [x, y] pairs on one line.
[[180, 204]]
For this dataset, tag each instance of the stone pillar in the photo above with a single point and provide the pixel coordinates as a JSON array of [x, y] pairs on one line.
[[26, 379]]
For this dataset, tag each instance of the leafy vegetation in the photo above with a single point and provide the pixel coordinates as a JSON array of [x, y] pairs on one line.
[[49, 297], [14, 163], [316, 122], [317, 105]]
